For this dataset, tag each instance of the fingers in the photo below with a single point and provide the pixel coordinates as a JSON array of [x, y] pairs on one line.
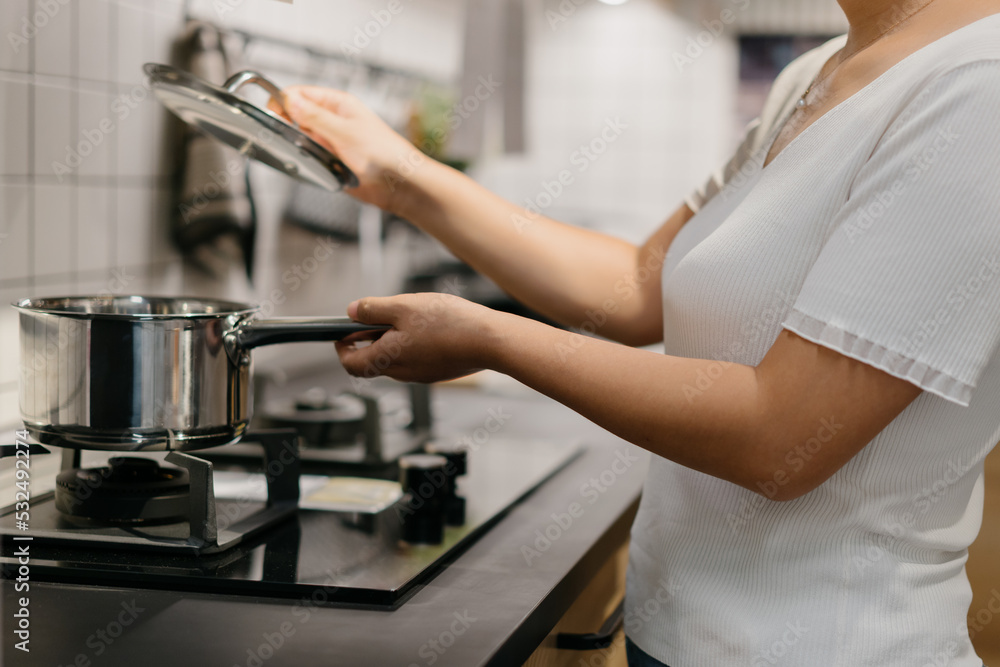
[[274, 107], [368, 361], [313, 117], [374, 310], [330, 98], [356, 360]]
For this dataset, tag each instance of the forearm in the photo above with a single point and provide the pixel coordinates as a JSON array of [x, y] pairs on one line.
[[577, 277], [655, 401]]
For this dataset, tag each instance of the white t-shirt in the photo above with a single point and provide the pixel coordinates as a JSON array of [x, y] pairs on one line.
[[876, 233]]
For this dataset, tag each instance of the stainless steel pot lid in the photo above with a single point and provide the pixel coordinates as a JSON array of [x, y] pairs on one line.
[[254, 132]]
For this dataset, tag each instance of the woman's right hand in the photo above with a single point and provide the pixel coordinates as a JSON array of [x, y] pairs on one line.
[[383, 161]]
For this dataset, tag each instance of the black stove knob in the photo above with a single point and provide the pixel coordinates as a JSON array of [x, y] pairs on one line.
[[314, 399], [458, 465], [425, 488], [457, 455]]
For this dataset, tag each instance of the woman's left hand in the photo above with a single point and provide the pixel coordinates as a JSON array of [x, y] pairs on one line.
[[434, 337]]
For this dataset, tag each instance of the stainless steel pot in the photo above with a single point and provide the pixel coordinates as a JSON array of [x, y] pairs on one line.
[[147, 373]]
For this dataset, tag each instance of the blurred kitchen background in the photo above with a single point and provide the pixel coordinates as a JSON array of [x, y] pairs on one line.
[[89, 161]]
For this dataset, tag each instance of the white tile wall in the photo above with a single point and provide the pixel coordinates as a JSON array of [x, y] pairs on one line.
[[55, 230], [55, 134], [139, 133], [14, 111], [55, 40], [93, 208], [93, 117], [617, 62], [14, 260], [93, 42], [133, 42], [14, 18], [8, 341]]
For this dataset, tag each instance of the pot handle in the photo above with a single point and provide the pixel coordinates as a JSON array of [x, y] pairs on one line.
[[254, 333]]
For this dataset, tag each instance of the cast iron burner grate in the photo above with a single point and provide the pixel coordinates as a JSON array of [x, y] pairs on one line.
[[176, 512], [129, 490]]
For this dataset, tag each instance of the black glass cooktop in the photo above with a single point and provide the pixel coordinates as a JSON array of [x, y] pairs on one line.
[[323, 556]]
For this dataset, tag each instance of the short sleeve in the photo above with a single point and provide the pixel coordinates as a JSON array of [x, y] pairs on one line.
[[909, 279]]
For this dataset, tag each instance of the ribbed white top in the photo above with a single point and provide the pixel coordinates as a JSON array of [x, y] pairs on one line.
[[876, 233]]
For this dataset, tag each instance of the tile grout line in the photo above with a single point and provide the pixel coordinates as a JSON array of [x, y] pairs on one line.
[[31, 155], [112, 194], [74, 213]]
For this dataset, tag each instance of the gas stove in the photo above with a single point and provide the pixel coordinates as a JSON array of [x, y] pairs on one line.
[[338, 495]]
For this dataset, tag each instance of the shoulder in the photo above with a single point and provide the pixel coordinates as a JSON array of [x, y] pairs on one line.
[[956, 64]]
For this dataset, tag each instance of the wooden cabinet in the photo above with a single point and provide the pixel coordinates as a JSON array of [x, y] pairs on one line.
[[984, 571], [588, 612]]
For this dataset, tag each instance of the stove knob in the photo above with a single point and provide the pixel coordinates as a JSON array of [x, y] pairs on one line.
[[425, 485], [314, 399], [457, 457]]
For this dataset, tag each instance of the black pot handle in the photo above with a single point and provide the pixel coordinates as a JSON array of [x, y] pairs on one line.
[[591, 641], [255, 333]]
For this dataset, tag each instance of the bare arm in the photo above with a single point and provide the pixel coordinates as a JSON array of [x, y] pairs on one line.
[[574, 276], [577, 277], [779, 429]]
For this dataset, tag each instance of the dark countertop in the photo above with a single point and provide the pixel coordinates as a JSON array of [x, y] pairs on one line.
[[489, 607]]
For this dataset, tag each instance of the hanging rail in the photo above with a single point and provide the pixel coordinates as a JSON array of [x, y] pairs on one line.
[[323, 54]]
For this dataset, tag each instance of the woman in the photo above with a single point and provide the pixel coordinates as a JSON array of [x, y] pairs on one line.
[[831, 318]]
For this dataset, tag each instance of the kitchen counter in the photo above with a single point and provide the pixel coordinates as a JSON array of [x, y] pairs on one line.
[[493, 605]]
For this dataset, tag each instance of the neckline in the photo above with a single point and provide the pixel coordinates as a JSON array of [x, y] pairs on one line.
[[859, 93]]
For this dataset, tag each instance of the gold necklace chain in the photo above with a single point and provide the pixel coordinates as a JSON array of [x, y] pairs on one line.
[[802, 103]]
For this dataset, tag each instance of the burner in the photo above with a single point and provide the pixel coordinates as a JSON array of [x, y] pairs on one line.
[[128, 490], [321, 420]]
